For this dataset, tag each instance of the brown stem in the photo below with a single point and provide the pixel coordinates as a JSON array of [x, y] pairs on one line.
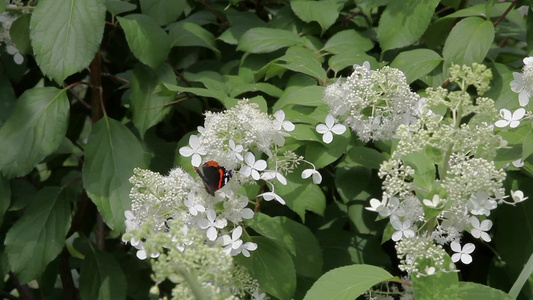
[[69, 290], [98, 108], [23, 289], [504, 14], [258, 199], [220, 17]]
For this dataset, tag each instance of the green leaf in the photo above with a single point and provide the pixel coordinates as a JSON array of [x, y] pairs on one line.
[[301, 195], [348, 40], [476, 291], [38, 237], [296, 238], [3, 5], [34, 130], [147, 105], [365, 156], [65, 35], [438, 286], [469, 41], [163, 11], [5, 197], [189, 34], [110, 156], [7, 99], [265, 40], [148, 42], [116, 7], [416, 63], [308, 96], [424, 175], [272, 266], [323, 154], [351, 181], [20, 34], [347, 282], [101, 277], [403, 22], [324, 12], [304, 60], [527, 146], [349, 58]]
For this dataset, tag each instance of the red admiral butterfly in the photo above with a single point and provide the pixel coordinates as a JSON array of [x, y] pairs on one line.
[[214, 176]]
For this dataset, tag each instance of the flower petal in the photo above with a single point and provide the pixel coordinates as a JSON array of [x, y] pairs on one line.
[[338, 129], [330, 121], [327, 137], [321, 128], [186, 151]]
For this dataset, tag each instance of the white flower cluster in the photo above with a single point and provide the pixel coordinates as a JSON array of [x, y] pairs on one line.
[[523, 85], [441, 179], [6, 20], [372, 103], [211, 203]]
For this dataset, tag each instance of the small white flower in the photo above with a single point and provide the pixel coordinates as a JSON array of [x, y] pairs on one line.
[[513, 120], [429, 270], [17, 57], [433, 203], [142, 254], [247, 247], [481, 204], [329, 128], [272, 196], [463, 253], [258, 296], [271, 174], [518, 196], [317, 177], [211, 224], [518, 163], [235, 151], [195, 149], [252, 167], [379, 207], [193, 207], [404, 229], [233, 243], [280, 122], [480, 229]]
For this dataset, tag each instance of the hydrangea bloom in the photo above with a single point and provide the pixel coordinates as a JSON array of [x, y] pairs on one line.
[[523, 82], [372, 103]]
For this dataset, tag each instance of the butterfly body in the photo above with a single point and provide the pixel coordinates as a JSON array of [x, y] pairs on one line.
[[214, 176]]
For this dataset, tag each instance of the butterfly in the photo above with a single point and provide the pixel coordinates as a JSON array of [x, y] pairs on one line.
[[214, 176]]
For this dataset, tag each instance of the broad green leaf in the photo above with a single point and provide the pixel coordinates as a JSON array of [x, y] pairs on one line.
[[322, 154], [240, 22], [301, 195], [469, 41], [324, 12], [110, 156], [349, 58], [308, 96], [211, 93], [163, 11], [416, 63], [20, 34], [65, 35], [190, 34], [424, 175], [116, 7], [101, 277], [351, 181], [403, 22], [272, 266], [147, 105], [5, 196], [476, 291], [347, 282], [300, 59], [296, 238], [3, 6], [38, 237], [265, 40], [441, 285], [304, 132], [527, 146], [147, 41], [34, 130], [348, 40], [7, 99], [367, 157]]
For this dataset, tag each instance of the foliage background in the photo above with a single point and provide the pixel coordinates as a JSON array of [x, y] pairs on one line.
[[96, 96]]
